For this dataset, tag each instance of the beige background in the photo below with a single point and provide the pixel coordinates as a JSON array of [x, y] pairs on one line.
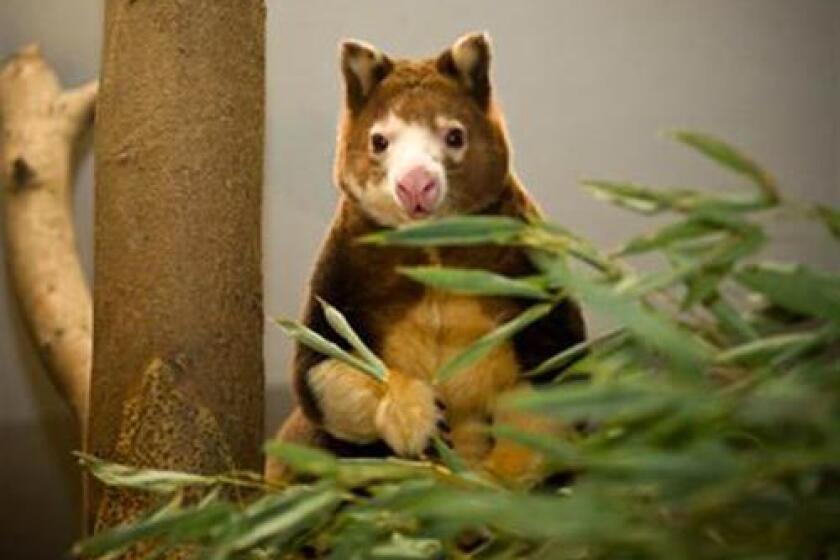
[[588, 87]]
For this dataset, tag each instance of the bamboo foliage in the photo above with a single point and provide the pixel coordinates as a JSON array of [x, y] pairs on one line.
[[711, 410]]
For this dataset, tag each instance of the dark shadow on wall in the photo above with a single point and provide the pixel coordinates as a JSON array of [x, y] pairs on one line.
[[40, 490], [40, 484]]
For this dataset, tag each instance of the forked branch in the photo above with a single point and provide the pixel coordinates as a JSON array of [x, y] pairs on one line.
[[40, 124]]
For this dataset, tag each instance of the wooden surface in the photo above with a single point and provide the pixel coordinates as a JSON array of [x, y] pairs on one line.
[[178, 287]]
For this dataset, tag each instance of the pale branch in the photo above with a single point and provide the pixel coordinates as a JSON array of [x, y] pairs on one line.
[[77, 105], [40, 124]]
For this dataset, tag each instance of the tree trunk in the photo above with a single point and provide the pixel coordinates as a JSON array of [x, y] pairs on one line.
[[178, 368]]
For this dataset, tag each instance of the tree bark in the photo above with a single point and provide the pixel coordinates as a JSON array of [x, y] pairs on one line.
[[41, 122], [178, 366]]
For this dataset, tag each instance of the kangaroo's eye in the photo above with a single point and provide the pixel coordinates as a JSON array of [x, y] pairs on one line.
[[454, 138], [378, 143]]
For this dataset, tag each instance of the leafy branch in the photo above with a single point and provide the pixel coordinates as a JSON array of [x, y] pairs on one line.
[[708, 417]]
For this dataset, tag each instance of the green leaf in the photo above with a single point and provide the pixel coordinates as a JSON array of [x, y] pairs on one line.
[[702, 287], [464, 230], [796, 288], [151, 480], [577, 518], [572, 353], [549, 243], [830, 217], [357, 472], [558, 450], [701, 273], [680, 472], [449, 458], [303, 459], [354, 534], [736, 248], [759, 350], [631, 196], [731, 319], [640, 286], [645, 200], [306, 336], [729, 157], [340, 324], [614, 401], [474, 282], [484, 345], [680, 231], [409, 548], [162, 522], [289, 519], [649, 325]]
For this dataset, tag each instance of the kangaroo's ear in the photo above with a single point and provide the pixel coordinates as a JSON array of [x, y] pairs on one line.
[[468, 61], [363, 67]]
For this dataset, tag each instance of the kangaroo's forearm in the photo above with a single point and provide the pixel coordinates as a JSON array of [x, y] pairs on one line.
[[347, 400]]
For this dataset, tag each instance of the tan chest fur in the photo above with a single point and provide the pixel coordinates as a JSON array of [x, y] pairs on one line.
[[435, 330]]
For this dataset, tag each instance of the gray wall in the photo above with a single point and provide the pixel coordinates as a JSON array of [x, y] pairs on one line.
[[588, 88]]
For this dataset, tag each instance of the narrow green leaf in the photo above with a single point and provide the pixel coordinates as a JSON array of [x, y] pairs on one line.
[[731, 319], [303, 459], [464, 230], [830, 217], [823, 337], [474, 282], [702, 287], [680, 231], [629, 195], [608, 402], [722, 214], [680, 472], [649, 325], [572, 353], [649, 201], [164, 522], [737, 248], [200, 519], [798, 289], [357, 472], [729, 157], [340, 324], [152, 480], [488, 342], [702, 272], [759, 350], [448, 456], [289, 519], [551, 242], [354, 536], [318, 343], [552, 446], [573, 519], [640, 286], [408, 548]]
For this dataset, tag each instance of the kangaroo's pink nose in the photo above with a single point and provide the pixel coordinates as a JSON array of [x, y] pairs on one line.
[[418, 191]]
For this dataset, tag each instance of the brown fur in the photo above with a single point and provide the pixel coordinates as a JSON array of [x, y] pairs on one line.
[[417, 91], [415, 330]]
